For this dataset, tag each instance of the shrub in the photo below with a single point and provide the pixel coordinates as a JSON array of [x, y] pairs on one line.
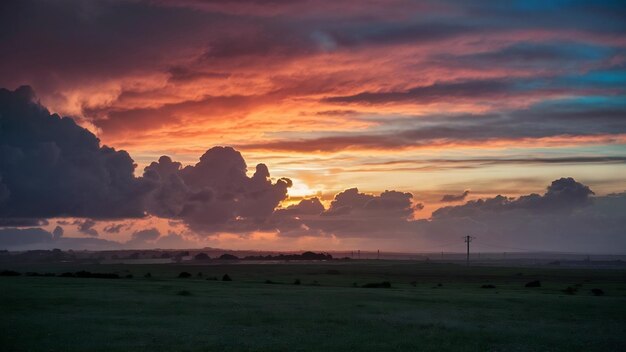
[[413, 283], [597, 292], [487, 286], [184, 275], [269, 282], [384, 284], [226, 278], [570, 290], [183, 293], [9, 273], [296, 282], [535, 283]]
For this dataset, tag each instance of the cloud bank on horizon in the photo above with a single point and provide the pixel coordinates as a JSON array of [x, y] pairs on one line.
[[52, 169]]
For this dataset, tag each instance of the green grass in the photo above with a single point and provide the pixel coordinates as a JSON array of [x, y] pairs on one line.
[[139, 314]]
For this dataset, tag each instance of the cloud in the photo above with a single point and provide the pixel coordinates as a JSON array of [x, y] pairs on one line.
[[553, 119], [562, 194], [143, 238], [565, 218], [215, 193], [351, 214], [116, 228], [13, 237], [455, 197], [86, 227], [51, 167], [38, 238]]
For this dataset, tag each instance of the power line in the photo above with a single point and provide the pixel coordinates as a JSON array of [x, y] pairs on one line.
[[468, 239]]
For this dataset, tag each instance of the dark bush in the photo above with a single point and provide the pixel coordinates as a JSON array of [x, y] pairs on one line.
[[66, 275], [597, 292], [226, 278], [9, 273], [384, 284], [439, 285], [487, 286], [227, 256], [332, 272], [87, 274], [535, 283], [184, 275], [148, 275], [296, 282], [184, 293], [570, 290], [199, 274], [269, 282]]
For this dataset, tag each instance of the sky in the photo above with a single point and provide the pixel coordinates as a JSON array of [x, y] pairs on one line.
[[286, 125]]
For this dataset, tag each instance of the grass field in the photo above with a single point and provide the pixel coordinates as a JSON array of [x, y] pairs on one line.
[[326, 312]]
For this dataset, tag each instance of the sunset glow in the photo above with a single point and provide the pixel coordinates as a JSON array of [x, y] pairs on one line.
[[428, 98]]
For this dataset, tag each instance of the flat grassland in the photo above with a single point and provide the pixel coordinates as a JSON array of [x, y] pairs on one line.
[[429, 307]]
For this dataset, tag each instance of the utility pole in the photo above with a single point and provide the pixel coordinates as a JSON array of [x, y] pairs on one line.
[[468, 239]]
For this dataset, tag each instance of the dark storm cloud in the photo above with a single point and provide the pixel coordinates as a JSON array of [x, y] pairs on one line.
[[455, 197], [86, 227], [143, 238], [115, 228], [351, 214], [215, 193], [12, 237], [38, 238], [470, 90], [72, 39], [22, 222], [51, 167], [565, 218], [548, 119], [562, 194]]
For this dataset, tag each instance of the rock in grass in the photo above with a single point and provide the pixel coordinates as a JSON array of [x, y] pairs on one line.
[[535, 283]]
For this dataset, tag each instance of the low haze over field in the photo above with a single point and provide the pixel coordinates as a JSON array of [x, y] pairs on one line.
[[331, 125]]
